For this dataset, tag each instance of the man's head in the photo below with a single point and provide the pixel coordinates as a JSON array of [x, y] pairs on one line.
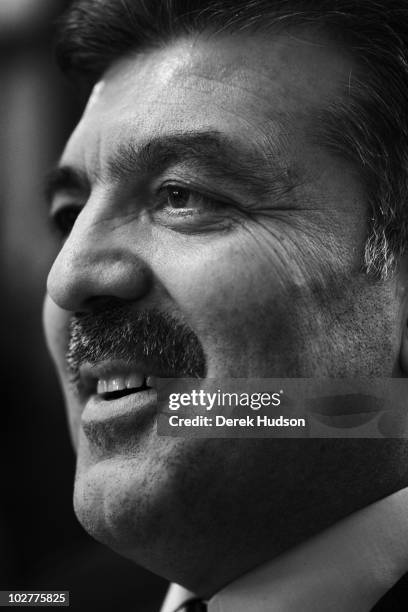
[[233, 205]]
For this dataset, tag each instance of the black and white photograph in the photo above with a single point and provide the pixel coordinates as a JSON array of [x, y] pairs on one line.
[[204, 238]]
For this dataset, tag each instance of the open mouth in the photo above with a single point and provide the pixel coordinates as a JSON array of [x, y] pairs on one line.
[[116, 391], [120, 386]]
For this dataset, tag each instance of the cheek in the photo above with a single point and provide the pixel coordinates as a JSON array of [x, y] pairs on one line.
[[234, 298]]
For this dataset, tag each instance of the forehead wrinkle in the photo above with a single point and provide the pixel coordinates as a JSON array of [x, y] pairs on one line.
[[280, 74], [241, 81]]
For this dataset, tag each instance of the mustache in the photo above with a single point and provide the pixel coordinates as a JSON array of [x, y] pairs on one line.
[[117, 331]]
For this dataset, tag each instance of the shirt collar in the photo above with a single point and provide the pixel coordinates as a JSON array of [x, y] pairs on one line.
[[175, 598], [349, 566]]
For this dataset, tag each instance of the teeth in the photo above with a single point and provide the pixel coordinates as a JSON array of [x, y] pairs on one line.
[[151, 381], [118, 383], [134, 380], [102, 386]]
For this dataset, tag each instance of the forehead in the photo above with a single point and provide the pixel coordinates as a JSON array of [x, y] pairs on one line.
[[257, 88]]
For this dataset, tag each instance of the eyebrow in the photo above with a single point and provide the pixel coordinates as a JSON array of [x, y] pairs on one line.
[[212, 151], [63, 179]]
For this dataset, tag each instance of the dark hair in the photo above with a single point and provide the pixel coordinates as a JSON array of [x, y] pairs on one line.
[[369, 126]]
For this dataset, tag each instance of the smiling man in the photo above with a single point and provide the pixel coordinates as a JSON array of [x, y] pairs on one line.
[[233, 204]]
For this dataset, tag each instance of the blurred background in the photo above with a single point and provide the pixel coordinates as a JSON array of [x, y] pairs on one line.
[[41, 544]]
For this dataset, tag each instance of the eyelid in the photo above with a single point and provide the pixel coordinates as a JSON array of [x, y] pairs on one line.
[[195, 188], [62, 199], [55, 211]]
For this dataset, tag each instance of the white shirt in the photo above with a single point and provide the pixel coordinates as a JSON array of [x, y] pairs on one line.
[[346, 568]]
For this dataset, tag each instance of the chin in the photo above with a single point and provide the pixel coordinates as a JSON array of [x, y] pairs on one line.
[[127, 501], [132, 505], [110, 504]]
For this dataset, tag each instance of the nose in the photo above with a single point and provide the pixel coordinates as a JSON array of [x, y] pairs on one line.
[[98, 260]]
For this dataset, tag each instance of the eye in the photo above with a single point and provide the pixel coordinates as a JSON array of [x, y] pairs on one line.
[[183, 200], [189, 210], [176, 200], [63, 219], [177, 197]]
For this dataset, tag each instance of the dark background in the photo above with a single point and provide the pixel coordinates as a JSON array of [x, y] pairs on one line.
[[41, 544]]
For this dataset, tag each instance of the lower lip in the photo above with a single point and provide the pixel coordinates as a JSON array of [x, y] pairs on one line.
[[136, 406]]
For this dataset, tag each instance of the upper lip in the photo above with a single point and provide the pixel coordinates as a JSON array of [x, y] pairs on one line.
[[90, 374]]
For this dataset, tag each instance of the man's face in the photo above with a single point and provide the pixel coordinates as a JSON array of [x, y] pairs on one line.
[[206, 199]]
